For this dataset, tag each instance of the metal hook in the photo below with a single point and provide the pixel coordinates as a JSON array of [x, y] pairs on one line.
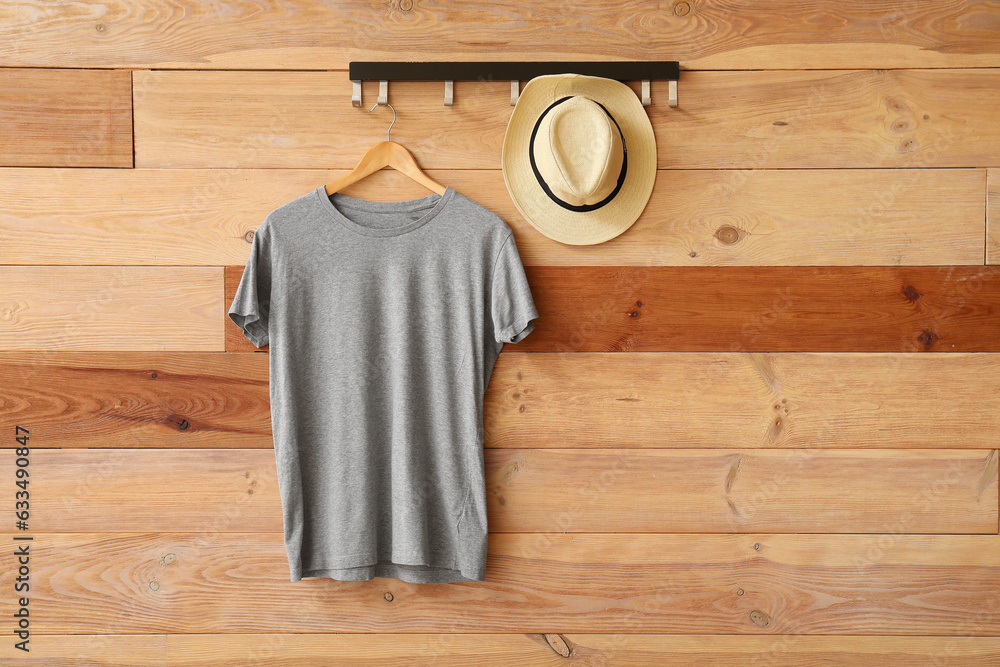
[[388, 135]]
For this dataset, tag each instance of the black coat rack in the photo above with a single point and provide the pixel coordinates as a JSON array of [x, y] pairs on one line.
[[449, 72]]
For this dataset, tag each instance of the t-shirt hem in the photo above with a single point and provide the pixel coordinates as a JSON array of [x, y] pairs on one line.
[[249, 324], [517, 331], [402, 568]]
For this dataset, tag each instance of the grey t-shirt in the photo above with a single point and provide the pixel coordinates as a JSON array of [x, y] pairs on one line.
[[384, 320]]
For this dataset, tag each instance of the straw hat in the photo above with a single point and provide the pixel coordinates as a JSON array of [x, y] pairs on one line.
[[579, 157]]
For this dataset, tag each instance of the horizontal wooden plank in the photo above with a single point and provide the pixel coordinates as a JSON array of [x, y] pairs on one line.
[[742, 120], [575, 399], [547, 490], [730, 399], [138, 399], [779, 491], [765, 309], [127, 583], [751, 309], [65, 117], [111, 308], [791, 217], [455, 649], [713, 34], [993, 217]]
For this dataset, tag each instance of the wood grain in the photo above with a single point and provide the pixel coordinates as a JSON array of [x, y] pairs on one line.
[[750, 309], [943, 585], [65, 118], [693, 218], [735, 491], [117, 308], [550, 490], [455, 649], [765, 309], [993, 217], [777, 473], [708, 34], [574, 399], [138, 399], [749, 400], [743, 120]]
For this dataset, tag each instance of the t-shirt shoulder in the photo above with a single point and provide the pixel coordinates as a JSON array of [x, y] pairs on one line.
[[487, 218], [294, 210], [251, 306], [512, 308]]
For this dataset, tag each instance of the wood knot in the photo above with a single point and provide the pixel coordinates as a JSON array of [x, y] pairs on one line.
[[682, 9], [911, 293], [509, 471], [927, 338], [178, 421], [558, 644], [895, 105], [727, 234]]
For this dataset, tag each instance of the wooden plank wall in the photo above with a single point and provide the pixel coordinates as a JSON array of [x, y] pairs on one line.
[[759, 427]]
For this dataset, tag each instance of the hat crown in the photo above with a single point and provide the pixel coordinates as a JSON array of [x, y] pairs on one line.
[[578, 151], [529, 152]]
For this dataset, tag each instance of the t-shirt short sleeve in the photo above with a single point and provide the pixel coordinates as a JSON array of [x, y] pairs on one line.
[[251, 306], [513, 309]]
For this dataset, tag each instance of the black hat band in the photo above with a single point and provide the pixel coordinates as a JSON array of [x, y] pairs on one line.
[[545, 188]]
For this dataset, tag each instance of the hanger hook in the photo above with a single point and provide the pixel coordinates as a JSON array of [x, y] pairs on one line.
[[388, 135]]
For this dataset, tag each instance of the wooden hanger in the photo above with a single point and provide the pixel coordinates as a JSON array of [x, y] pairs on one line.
[[386, 153]]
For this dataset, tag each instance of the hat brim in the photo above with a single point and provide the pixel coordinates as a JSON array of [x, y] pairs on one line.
[[545, 215]]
